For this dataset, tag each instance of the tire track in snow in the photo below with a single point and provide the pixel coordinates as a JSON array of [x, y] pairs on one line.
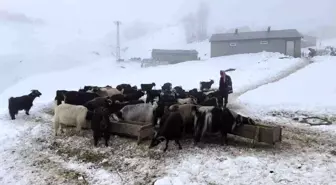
[[281, 75]]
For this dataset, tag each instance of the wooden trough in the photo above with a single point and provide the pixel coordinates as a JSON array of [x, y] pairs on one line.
[[260, 133], [140, 130]]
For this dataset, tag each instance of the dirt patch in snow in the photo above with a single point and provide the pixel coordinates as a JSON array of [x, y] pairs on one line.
[[135, 164], [72, 159], [301, 114]]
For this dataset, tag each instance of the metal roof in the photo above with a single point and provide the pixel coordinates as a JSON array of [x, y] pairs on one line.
[[272, 34], [171, 51]]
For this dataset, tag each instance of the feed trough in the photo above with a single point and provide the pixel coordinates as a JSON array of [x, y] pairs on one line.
[[260, 133], [140, 130]]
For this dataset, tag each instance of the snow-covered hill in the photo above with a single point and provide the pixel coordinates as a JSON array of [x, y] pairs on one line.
[[310, 90], [28, 142], [251, 70], [171, 37], [52, 45], [30, 49]]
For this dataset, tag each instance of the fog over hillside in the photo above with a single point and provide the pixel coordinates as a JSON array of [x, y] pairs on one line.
[[258, 13], [73, 32], [53, 45], [93, 21]]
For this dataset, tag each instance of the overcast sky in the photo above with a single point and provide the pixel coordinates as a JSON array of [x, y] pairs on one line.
[[301, 14]]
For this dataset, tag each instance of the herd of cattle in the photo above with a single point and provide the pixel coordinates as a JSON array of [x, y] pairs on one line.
[[173, 112]]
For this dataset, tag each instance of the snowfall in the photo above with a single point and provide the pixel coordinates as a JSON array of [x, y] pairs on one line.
[[269, 87]]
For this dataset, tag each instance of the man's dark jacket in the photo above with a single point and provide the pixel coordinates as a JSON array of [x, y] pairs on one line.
[[225, 87]]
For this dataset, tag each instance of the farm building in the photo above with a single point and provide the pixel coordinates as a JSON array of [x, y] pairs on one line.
[[174, 56], [308, 41], [283, 41]]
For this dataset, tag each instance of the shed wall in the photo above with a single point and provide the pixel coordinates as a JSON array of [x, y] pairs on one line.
[[247, 46], [223, 48], [174, 57], [297, 48]]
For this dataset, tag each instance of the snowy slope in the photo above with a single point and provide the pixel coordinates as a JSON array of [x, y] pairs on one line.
[[309, 90], [327, 42], [28, 146], [171, 37], [321, 44], [28, 49], [251, 70]]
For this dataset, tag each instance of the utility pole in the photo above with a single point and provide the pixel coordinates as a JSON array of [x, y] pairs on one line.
[[118, 41]]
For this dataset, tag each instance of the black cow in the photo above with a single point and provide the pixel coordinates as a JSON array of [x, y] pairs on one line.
[[166, 87], [151, 95], [171, 127], [15, 104], [206, 85], [221, 121], [147, 87], [101, 125], [78, 98], [134, 96], [60, 96]]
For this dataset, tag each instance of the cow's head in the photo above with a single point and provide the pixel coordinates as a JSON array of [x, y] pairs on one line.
[[156, 140], [35, 93]]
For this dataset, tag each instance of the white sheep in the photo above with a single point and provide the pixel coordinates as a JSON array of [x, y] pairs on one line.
[[55, 104], [142, 112], [143, 98], [71, 115], [202, 109], [114, 91], [205, 108], [186, 101], [104, 92]]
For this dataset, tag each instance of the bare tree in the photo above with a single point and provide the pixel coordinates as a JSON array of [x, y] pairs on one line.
[[189, 23], [202, 21], [196, 24]]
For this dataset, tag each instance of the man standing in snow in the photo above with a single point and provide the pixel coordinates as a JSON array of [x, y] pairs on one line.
[[225, 88]]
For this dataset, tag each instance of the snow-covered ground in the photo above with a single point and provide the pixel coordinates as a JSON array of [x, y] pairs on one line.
[[29, 50], [321, 44], [53, 54], [171, 37], [30, 154], [309, 90], [251, 70]]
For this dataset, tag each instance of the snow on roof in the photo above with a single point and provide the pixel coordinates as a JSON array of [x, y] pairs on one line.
[[272, 34]]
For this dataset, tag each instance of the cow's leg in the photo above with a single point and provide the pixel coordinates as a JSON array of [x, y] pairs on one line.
[[224, 138], [178, 143], [27, 111], [96, 137], [12, 114], [165, 149], [107, 138], [220, 100]]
